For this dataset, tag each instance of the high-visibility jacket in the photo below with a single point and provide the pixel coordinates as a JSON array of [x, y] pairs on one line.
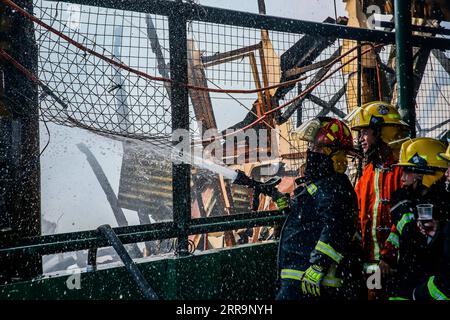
[[374, 190]]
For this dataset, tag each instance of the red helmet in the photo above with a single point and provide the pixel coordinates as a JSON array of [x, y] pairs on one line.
[[327, 132]]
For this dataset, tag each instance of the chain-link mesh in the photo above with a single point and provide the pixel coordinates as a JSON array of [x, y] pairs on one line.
[[92, 92], [86, 90]]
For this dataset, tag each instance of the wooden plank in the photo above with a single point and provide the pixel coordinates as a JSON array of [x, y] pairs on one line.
[[301, 70], [224, 192], [257, 81], [231, 53], [152, 36], [226, 60], [201, 100]]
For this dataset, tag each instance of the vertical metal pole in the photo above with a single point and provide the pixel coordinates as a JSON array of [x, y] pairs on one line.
[[300, 108], [405, 79], [359, 76], [181, 173], [359, 102]]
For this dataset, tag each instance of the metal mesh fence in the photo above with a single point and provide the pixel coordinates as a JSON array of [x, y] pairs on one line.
[[95, 93], [98, 95], [89, 91]]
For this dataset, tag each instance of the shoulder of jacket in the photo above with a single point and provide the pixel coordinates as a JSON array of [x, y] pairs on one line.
[[330, 186]]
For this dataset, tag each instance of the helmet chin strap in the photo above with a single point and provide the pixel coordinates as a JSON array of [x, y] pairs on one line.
[[447, 185]]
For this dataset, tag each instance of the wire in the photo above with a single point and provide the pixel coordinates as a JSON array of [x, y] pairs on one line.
[[243, 105], [48, 141]]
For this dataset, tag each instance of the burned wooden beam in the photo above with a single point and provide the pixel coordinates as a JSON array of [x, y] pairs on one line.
[[331, 105], [201, 100], [302, 54], [104, 183], [152, 36], [317, 77], [295, 72], [226, 60], [229, 54], [436, 126]]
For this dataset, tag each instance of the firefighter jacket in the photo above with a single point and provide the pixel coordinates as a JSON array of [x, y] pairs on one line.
[[374, 190], [403, 200], [419, 257], [320, 225], [437, 285]]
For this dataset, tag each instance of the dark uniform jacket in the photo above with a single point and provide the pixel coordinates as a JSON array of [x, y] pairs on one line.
[[419, 257], [322, 220], [437, 285]]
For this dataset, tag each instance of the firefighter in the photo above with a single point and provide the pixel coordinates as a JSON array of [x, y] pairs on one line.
[[423, 184], [379, 125], [437, 286], [315, 239]]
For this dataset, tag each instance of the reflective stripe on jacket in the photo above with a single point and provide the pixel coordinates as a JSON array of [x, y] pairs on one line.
[[329, 280], [374, 190]]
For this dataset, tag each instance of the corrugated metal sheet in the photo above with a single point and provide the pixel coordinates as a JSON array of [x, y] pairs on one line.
[[146, 183]]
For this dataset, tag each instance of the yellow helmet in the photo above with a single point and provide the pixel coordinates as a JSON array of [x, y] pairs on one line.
[[446, 155], [377, 113], [422, 155]]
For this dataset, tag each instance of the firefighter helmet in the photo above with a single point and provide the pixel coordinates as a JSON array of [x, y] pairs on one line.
[[379, 114], [331, 134], [422, 155]]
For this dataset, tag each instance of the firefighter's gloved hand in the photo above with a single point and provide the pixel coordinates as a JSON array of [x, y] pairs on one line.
[[282, 203], [311, 280]]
